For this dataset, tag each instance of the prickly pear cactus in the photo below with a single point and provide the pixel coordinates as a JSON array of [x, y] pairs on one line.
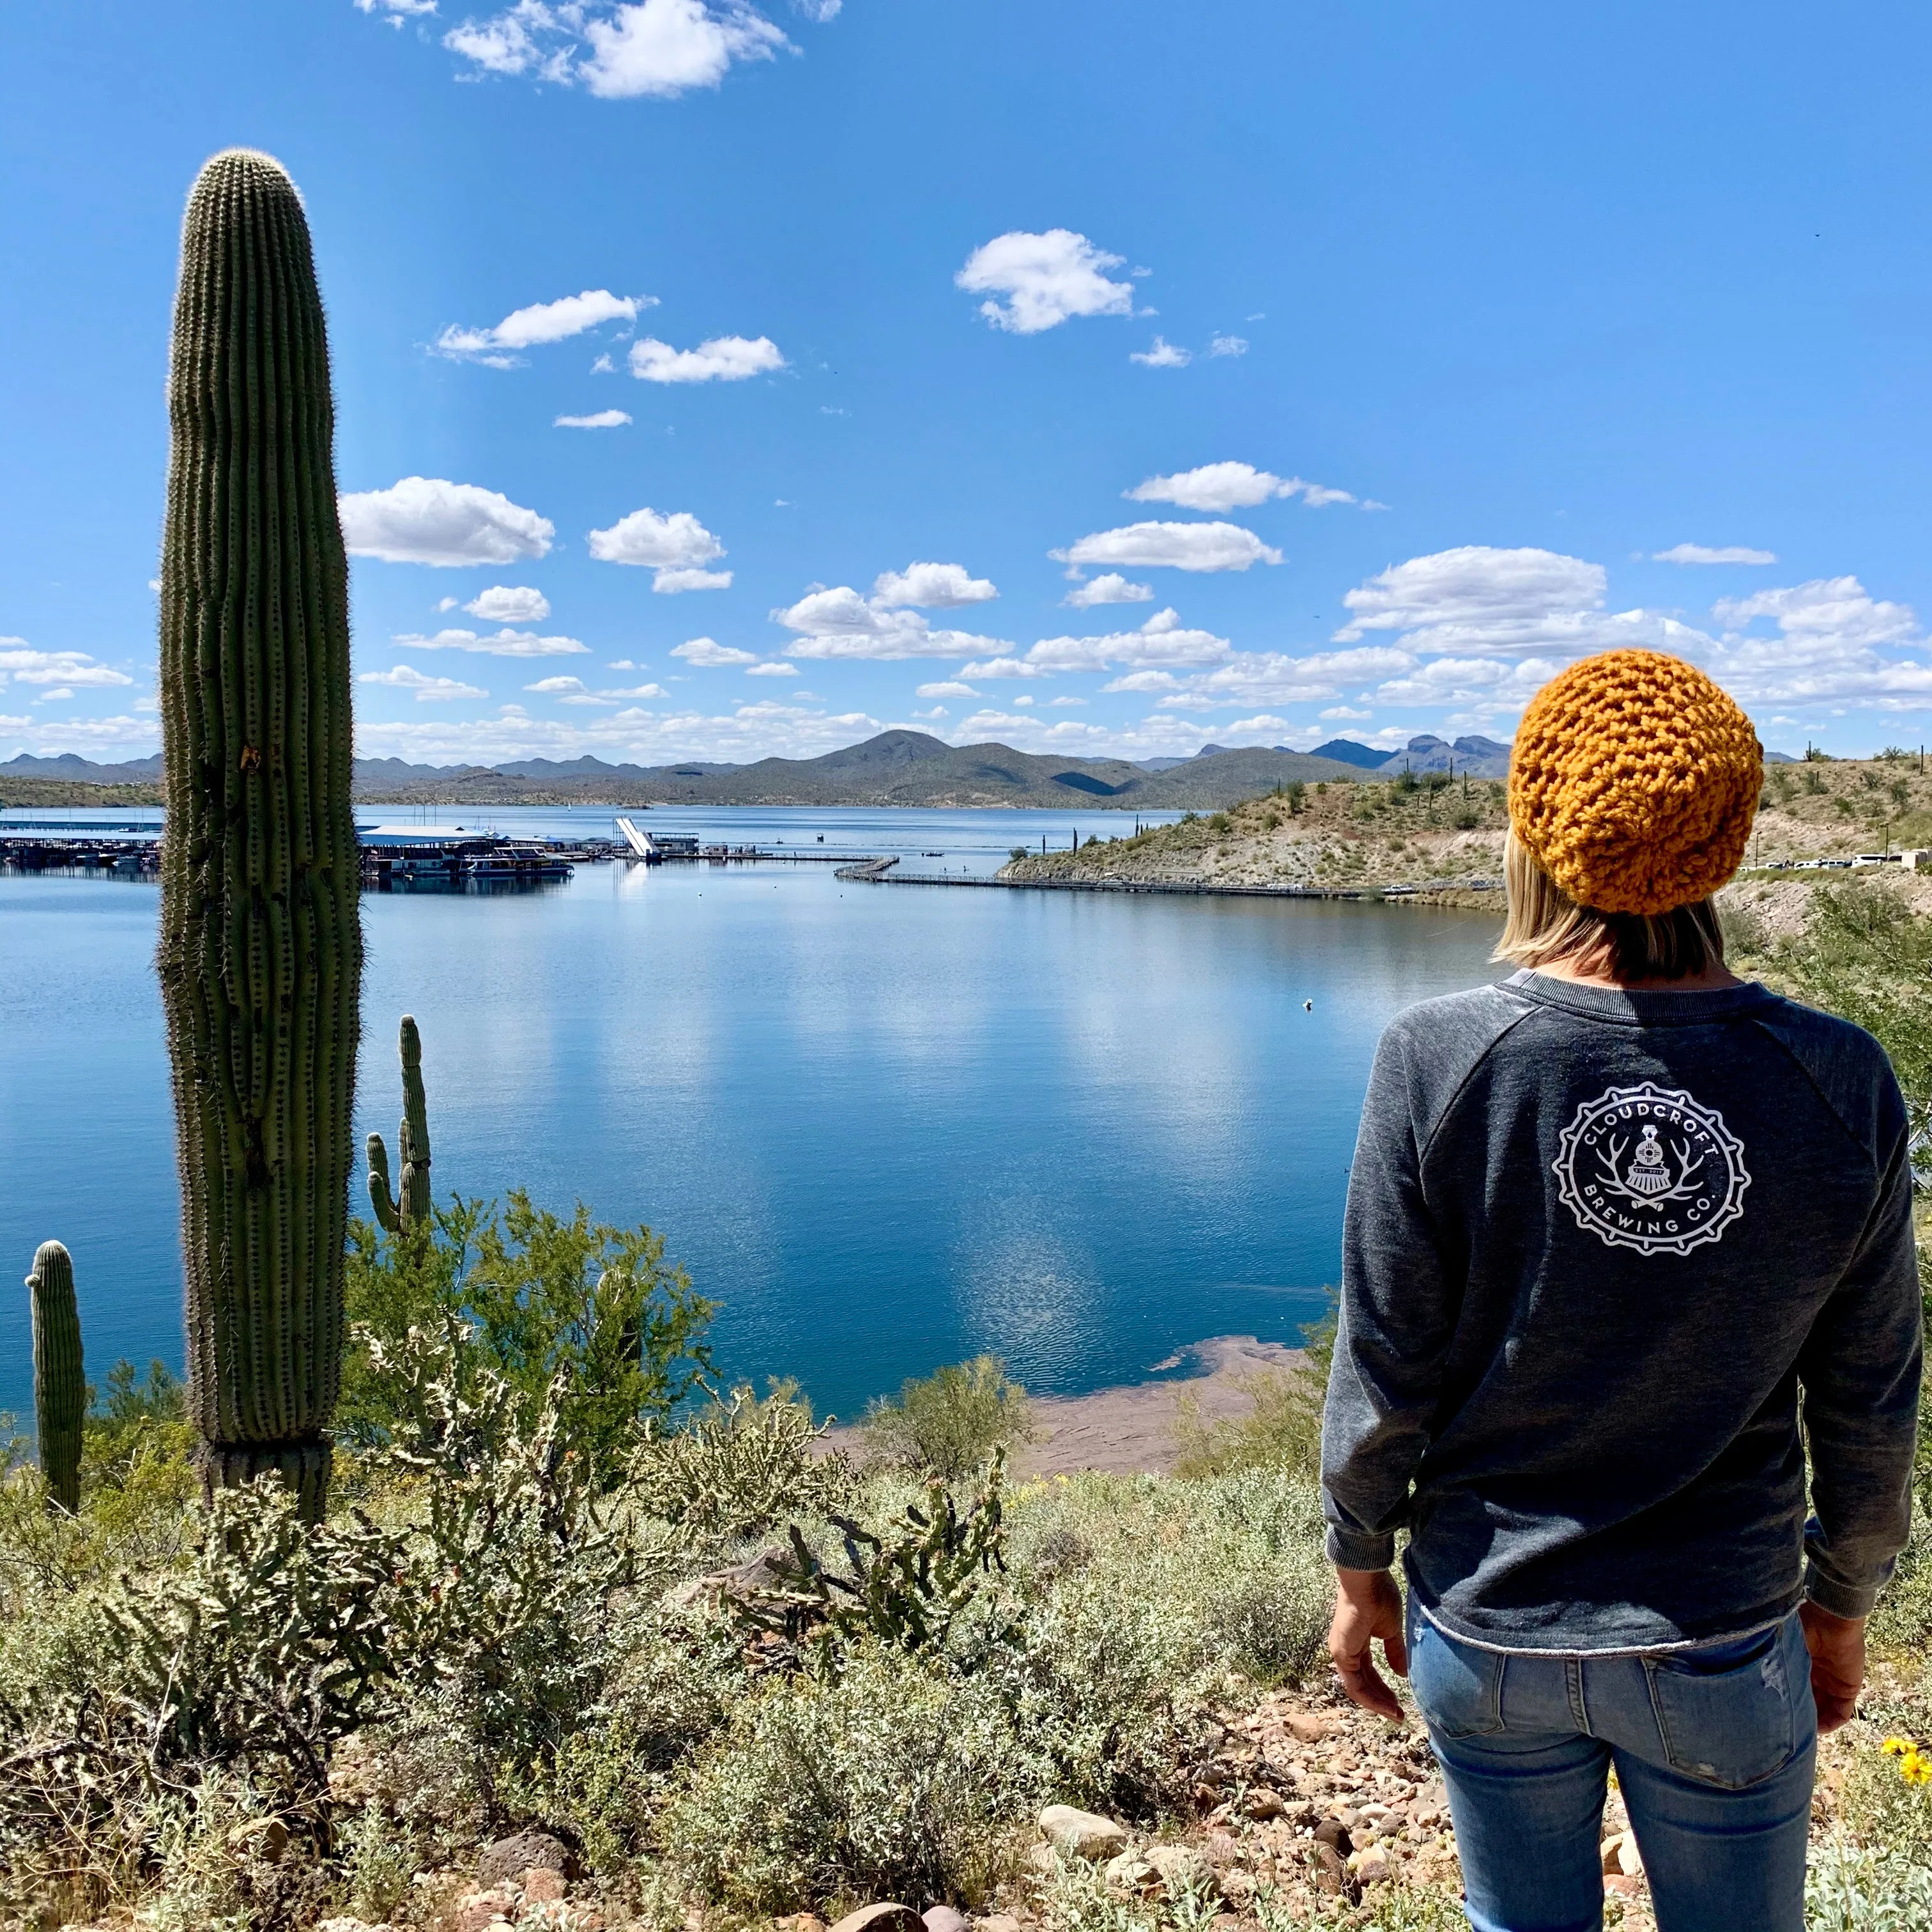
[[412, 1209], [60, 1382], [261, 949]]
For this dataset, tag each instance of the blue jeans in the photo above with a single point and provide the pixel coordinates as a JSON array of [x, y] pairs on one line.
[[1713, 1748]]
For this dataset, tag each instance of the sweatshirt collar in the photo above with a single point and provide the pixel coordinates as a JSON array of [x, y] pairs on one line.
[[1623, 1007]]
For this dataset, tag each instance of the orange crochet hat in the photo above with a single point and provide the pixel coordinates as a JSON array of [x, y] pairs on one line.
[[1634, 780]]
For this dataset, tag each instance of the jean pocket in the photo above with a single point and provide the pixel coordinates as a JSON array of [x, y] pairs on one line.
[[1459, 1687], [1727, 1712]]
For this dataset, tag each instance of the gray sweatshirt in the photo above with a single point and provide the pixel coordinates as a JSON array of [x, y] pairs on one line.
[[1596, 1244]]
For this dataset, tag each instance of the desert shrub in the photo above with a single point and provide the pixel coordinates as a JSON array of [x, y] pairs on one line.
[[1282, 1430], [948, 1422], [1850, 1888], [1888, 1797], [542, 1296], [736, 1467], [894, 1778]]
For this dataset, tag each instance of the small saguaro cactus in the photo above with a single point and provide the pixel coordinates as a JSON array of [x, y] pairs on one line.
[[60, 1386], [409, 1207]]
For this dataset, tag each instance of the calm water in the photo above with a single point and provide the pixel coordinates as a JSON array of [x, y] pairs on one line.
[[886, 1126]]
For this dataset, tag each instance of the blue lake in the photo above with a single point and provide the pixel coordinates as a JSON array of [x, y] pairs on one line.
[[885, 1126]]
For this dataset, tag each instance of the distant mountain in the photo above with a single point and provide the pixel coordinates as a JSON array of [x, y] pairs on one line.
[[1346, 752], [1212, 781], [1480, 757], [84, 771], [1781, 758]]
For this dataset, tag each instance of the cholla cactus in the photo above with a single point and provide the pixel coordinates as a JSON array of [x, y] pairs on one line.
[[60, 1385], [412, 1209], [260, 957]]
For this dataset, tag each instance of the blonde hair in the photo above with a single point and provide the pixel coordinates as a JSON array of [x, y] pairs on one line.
[[1546, 927]]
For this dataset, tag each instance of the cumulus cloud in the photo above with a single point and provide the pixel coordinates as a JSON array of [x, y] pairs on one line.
[[1231, 486], [1688, 553], [395, 12], [939, 586], [540, 323], [676, 546], [427, 690], [1194, 547], [575, 690], [772, 667], [840, 623], [1274, 677], [724, 358], [650, 49], [504, 643], [1478, 598], [602, 419], [21, 663], [429, 520], [993, 667], [1112, 588], [1835, 641], [1163, 354], [707, 654], [1228, 345], [947, 688], [1047, 279], [509, 603], [1162, 640]]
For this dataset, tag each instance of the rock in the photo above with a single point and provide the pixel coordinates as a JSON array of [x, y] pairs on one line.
[[997, 1921], [543, 1884], [1623, 1884], [1043, 1859], [944, 1919], [1630, 1860], [1082, 1834], [1182, 1868], [1375, 1866], [1310, 1727], [476, 1910], [1238, 1888], [1128, 1872], [1261, 1803], [887, 1916], [510, 1858], [1331, 1831]]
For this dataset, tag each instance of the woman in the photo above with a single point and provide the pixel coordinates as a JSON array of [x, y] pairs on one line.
[[1608, 1220]]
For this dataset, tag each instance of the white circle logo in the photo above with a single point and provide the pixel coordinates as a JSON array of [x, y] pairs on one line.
[[1647, 1167]]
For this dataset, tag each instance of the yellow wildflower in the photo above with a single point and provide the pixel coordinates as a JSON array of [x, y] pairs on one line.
[[1897, 1746]]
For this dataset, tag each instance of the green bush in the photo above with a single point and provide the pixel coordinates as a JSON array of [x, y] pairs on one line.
[[894, 1779], [1282, 1430], [951, 1421], [1851, 1889]]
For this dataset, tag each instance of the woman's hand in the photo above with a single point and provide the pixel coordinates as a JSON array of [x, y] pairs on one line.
[[1838, 1648], [1368, 1606]]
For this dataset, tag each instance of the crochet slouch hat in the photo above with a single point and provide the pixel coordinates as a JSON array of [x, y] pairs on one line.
[[1634, 780]]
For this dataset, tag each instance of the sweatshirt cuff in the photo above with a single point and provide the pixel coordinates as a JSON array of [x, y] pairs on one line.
[[1348, 1550], [1839, 1598]]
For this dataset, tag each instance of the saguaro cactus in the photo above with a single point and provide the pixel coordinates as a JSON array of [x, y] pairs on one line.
[[60, 1384], [261, 949], [411, 1209]]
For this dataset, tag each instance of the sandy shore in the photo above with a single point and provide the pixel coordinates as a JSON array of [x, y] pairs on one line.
[[1130, 1430]]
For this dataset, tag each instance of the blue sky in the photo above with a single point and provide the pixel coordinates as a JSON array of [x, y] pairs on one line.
[[1109, 378]]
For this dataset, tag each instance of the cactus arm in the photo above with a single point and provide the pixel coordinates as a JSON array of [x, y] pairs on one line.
[[60, 1382], [380, 1198], [416, 1199], [260, 952]]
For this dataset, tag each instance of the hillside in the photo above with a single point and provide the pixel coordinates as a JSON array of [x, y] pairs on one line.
[[896, 768], [1407, 831]]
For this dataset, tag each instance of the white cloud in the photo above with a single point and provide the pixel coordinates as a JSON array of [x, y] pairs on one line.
[[540, 323], [997, 667], [54, 697], [1688, 553], [1244, 727], [1493, 683], [939, 586], [1066, 700], [1342, 711], [428, 520], [557, 686], [1477, 598], [48, 737], [1272, 677], [1228, 345], [669, 582], [427, 690], [947, 688], [1231, 486], [707, 654], [1144, 681], [724, 358], [1162, 640], [1112, 588], [654, 48], [1164, 355], [504, 643], [603, 419], [671, 545], [772, 667], [508, 604], [1835, 641], [840, 623], [1194, 547], [396, 11], [1827, 613], [1047, 280], [20, 664], [937, 712]]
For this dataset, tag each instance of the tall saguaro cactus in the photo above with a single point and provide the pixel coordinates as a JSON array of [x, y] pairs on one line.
[[261, 949], [60, 1381], [411, 1208]]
